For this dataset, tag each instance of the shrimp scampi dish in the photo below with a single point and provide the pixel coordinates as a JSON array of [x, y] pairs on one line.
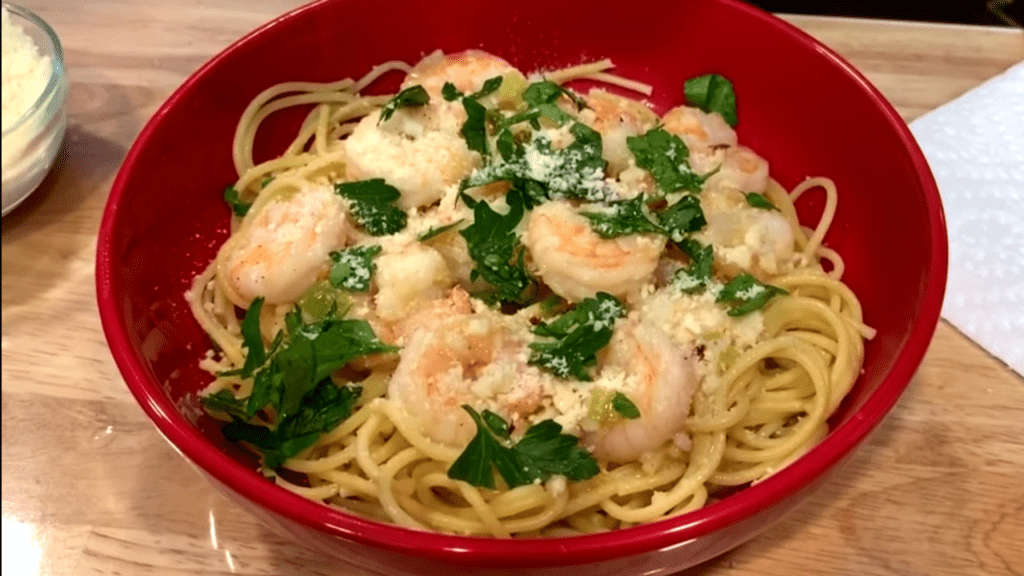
[[490, 304]]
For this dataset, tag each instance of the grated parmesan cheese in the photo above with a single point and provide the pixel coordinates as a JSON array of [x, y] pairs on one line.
[[25, 71]]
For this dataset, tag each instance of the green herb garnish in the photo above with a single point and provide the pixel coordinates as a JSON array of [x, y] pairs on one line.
[[540, 454], [712, 93], [435, 231], [624, 406], [667, 158], [238, 206], [759, 201], [408, 98], [683, 217], [745, 294], [622, 219], [578, 336], [496, 250], [353, 267], [372, 206], [697, 275], [293, 387]]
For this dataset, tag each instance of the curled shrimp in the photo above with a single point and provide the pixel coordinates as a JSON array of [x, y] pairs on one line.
[[699, 129], [576, 263], [282, 247], [746, 238], [420, 150], [466, 70], [743, 169], [665, 380], [616, 118], [475, 359], [407, 277]]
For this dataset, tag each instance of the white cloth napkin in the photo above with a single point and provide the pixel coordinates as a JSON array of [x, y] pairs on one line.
[[975, 147]]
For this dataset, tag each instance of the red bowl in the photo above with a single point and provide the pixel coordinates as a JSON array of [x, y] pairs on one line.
[[800, 105]]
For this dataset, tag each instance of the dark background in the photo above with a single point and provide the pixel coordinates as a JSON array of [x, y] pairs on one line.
[[991, 12]]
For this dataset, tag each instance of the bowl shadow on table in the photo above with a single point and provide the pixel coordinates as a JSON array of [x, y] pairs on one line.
[[74, 189]]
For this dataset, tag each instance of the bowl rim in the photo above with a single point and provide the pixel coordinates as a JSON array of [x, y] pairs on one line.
[[547, 551], [57, 68]]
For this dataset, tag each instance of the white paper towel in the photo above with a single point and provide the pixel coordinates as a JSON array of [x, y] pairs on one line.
[[975, 147]]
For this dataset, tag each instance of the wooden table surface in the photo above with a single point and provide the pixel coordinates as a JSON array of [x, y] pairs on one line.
[[90, 487]]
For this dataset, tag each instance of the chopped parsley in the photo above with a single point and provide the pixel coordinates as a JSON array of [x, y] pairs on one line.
[[474, 129], [683, 217], [542, 101], [745, 294], [541, 173], [578, 336], [292, 387], [372, 206], [622, 219], [238, 206], [759, 201], [540, 454], [712, 93], [697, 275], [624, 406], [408, 98], [353, 267], [496, 250], [667, 158], [435, 231]]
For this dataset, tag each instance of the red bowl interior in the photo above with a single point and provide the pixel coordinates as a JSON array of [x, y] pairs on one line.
[[800, 105]]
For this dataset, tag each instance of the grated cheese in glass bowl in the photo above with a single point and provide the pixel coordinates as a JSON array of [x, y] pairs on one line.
[[34, 91]]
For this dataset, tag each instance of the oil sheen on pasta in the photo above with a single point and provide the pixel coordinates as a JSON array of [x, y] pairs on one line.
[[675, 221]]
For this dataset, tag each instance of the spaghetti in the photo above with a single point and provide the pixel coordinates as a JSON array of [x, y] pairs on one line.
[[748, 391]]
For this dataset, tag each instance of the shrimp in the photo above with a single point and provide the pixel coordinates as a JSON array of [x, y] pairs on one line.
[[742, 169], [280, 250], [761, 241], [420, 150], [665, 378], [467, 71], [699, 129], [616, 118], [576, 263], [475, 359], [407, 277]]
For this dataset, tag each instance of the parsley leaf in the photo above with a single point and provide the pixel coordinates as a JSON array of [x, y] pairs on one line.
[[238, 206], [372, 206], [474, 129], [435, 231], [489, 87], [746, 294], [541, 453], [683, 217], [759, 201], [255, 355], [667, 158], [712, 93], [624, 406], [578, 336], [324, 408], [449, 92], [353, 267], [294, 380], [224, 401], [696, 276], [622, 219], [410, 97], [495, 248]]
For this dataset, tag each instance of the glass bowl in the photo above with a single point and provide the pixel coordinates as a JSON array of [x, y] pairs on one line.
[[31, 143]]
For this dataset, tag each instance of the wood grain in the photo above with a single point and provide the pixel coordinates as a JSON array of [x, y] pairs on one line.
[[89, 487]]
